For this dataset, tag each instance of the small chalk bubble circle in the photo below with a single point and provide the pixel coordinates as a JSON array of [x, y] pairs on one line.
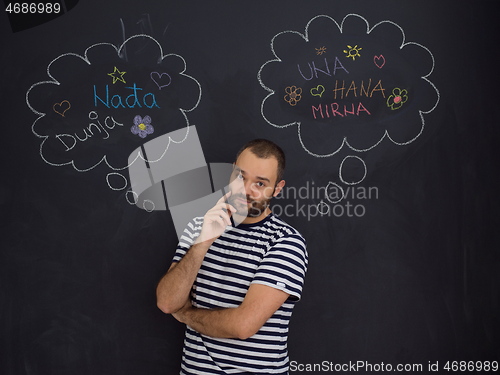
[[352, 170], [116, 181], [148, 205], [323, 208], [132, 197], [334, 192]]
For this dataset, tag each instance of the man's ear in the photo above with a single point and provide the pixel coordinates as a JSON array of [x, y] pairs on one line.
[[279, 187]]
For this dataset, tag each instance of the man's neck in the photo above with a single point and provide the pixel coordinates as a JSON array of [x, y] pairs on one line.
[[253, 220]]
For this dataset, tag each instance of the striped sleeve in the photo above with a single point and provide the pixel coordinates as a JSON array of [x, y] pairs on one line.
[[188, 237], [284, 266]]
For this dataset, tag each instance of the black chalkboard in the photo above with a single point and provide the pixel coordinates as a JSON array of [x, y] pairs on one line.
[[387, 114]]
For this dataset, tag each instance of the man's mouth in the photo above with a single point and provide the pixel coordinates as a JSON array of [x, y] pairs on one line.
[[242, 200]]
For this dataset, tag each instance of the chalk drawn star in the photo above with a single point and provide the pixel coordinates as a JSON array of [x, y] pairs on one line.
[[117, 76]]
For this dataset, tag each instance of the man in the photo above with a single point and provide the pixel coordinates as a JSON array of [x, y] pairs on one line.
[[234, 286]]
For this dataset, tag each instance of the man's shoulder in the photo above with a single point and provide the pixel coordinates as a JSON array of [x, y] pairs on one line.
[[280, 223], [284, 229], [288, 243]]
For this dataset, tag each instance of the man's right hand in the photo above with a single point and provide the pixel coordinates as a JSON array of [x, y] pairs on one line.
[[216, 220]]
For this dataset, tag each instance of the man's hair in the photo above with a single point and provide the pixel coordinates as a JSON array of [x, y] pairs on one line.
[[264, 149]]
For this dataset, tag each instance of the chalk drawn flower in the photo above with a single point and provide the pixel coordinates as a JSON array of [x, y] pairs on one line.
[[142, 126], [293, 95], [397, 99]]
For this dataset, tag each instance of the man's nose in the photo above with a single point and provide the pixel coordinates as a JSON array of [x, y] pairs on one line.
[[250, 188]]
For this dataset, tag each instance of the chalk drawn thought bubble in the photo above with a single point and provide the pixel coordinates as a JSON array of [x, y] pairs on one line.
[[348, 84], [99, 107]]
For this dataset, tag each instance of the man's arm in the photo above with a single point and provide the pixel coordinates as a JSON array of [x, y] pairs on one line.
[[259, 305], [174, 288]]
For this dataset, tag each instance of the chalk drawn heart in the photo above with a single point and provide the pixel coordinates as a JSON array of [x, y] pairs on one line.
[[162, 80], [318, 90], [379, 61], [61, 108]]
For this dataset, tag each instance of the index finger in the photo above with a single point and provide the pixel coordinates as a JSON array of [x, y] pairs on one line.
[[224, 197]]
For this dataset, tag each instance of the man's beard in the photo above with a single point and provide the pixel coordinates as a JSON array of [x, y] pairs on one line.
[[256, 207]]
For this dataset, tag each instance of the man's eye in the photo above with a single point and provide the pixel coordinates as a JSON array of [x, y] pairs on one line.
[[239, 176]]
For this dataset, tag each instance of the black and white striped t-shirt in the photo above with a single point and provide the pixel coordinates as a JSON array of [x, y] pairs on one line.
[[269, 252]]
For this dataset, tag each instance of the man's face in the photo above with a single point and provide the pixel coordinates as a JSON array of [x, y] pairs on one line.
[[253, 184]]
